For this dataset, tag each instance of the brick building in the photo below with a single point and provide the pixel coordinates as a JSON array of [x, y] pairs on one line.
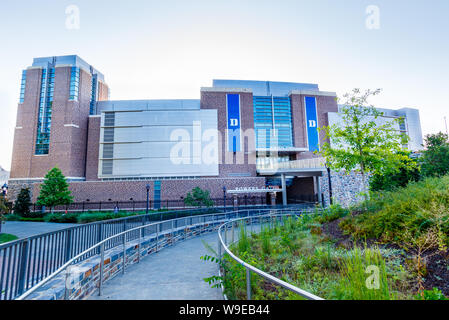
[[240, 134]]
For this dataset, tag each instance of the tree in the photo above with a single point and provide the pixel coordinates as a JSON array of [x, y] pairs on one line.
[[4, 209], [198, 198], [435, 159], [23, 202], [361, 143], [54, 190], [390, 178]]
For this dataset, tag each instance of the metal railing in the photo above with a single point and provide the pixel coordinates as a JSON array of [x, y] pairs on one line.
[[138, 233], [223, 244], [135, 206], [313, 163], [26, 262]]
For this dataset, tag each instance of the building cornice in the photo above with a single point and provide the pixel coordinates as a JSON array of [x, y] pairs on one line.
[[214, 89], [313, 93]]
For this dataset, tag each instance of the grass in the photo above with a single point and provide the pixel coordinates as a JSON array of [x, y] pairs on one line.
[[5, 237], [297, 252]]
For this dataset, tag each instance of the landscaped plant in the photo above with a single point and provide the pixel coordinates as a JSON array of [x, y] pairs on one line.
[[359, 143], [435, 159], [23, 203], [4, 209], [198, 198], [54, 190]]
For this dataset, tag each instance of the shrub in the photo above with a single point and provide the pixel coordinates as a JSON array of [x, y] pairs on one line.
[[23, 203], [434, 294], [415, 209], [198, 198], [61, 217], [435, 159], [332, 213]]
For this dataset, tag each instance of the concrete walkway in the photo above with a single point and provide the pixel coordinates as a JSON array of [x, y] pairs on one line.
[[24, 229], [174, 273]]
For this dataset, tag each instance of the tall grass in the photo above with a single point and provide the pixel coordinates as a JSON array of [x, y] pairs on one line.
[[356, 274]]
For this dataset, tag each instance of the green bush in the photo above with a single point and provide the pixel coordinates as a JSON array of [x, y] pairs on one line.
[[61, 218], [23, 203], [198, 198], [332, 213], [415, 208], [434, 294]]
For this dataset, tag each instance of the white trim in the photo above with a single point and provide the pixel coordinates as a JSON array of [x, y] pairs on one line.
[[38, 179], [213, 89], [313, 93], [19, 128], [71, 125]]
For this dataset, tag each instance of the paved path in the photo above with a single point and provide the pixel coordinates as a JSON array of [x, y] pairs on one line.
[[24, 229], [174, 273]]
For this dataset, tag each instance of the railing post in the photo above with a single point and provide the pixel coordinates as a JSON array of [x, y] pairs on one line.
[[100, 232], [219, 245], [139, 244], [68, 244], [173, 232], [232, 230], [100, 284], [124, 253], [248, 284], [143, 229], [66, 289], [23, 265]]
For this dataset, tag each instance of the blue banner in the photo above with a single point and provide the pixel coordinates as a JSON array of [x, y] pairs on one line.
[[312, 124], [233, 112]]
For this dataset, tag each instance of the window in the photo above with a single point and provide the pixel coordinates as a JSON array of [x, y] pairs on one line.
[[45, 109], [273, 122], [22, 86], [93, 98], [74, 83], [157, 194]]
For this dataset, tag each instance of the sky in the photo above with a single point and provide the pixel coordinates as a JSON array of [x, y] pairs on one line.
[[169, 49]]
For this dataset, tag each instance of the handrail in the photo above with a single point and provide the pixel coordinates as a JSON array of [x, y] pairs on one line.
[[249, 268], [124, 233]]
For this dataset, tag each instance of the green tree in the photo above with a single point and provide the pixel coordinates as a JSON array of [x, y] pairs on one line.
[[4, 209], [360, 142], [54, 190], [390, 178], [23, 202], [198, 198], [435, 159]]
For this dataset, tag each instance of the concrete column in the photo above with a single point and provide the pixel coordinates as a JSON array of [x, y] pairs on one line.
[[284, 190]]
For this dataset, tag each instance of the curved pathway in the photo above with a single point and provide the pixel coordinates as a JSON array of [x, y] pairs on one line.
[[174, 273]]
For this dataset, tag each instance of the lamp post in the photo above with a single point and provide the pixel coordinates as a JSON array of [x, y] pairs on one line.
[[148, 197], [330, 182], [224, 198]]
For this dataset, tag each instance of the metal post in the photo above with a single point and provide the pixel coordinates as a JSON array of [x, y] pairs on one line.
[[232, 236], [100, 285], [68, 244], [124, 253], [330, 185], [284, 190], [226, 235], [173, 232], [139, 244], [248, 284], [157, 236], [66, 289], [23, 265], [219, 246]]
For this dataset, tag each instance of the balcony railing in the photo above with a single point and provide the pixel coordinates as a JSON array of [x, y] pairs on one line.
[[314, 163]]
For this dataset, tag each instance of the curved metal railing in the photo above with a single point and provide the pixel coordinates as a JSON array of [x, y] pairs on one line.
[[139, 233], [223, 243]]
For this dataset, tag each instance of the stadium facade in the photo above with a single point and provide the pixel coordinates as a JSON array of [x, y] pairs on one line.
[[245, 137]]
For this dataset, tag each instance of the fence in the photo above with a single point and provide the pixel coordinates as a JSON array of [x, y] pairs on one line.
[[133, 205], [136, 242], [26, 262]]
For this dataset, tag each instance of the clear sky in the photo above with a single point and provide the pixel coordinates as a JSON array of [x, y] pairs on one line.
[[169, 49]]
